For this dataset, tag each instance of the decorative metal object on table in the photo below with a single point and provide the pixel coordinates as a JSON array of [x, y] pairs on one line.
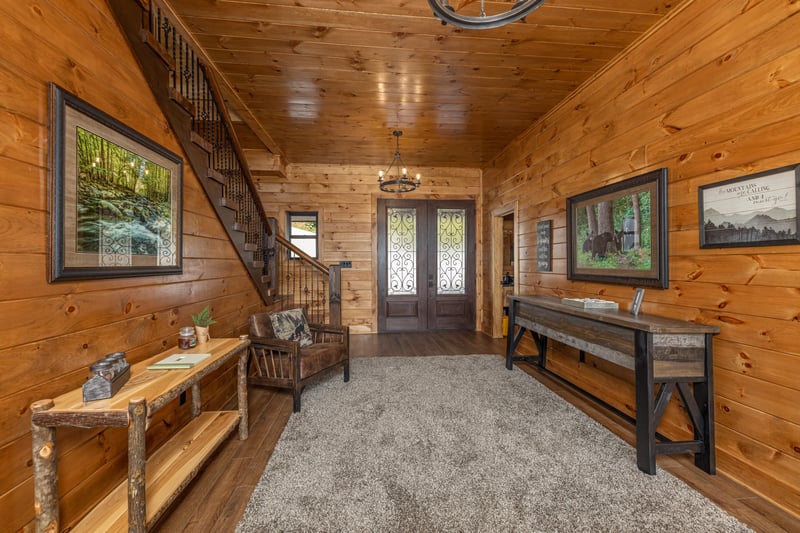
[[467, 15], [400, 182], [109, 374], [636, 304]]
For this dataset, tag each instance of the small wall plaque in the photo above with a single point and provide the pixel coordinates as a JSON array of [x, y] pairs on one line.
[[544, 246]]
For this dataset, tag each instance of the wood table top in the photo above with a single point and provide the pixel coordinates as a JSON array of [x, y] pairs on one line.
[[152, 385], [642, 322]]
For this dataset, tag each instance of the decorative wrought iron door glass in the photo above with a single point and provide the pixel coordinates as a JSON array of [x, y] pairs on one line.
[[451, 250], [401, 239]]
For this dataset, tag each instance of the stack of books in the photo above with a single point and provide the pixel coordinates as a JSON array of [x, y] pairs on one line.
[[590, 303], [179, 361]]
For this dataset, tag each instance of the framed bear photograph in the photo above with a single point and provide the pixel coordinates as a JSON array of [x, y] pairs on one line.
[[618, 233]]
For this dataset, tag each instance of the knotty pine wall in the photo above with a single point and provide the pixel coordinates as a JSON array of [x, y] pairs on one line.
[[712, 94], [346, 198], [51, 333]]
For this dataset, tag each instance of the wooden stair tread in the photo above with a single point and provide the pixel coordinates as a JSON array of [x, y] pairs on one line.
[[216, 175], [198, 140], [229, 204], [151, 41], [168, 470], [183, 102]]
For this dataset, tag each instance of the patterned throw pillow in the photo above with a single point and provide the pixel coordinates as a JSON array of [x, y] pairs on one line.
[[291, 325]]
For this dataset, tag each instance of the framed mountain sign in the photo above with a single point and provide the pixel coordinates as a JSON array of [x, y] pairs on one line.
[[753, 210]]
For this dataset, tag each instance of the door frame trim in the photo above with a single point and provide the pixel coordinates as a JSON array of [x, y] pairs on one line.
[[497, 262]]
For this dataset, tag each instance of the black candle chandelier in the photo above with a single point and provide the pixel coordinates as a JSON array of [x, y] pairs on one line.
[[448, 14], [399, 182]]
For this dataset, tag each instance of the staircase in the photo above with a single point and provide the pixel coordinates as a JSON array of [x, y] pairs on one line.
[[185, 89]]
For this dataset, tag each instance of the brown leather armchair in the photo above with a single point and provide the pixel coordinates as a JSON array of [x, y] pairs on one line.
[[285, 364]]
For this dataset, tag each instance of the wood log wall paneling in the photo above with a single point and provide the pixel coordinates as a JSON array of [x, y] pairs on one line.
[[712, 94], [51, 333], [346, 199]]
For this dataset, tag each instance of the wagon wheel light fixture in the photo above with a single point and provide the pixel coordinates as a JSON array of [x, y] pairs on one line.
[[448, 14], [400, 182]]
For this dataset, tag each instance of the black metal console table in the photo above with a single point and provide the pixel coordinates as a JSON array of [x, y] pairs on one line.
[[659, 350]]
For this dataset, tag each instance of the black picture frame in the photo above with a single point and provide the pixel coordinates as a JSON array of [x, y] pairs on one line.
[[754, 210], [625, 255], [115, 203], [544, 246]]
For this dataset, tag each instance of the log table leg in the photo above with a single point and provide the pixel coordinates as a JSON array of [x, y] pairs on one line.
[[197, 400], [241, 391], [45, 484], [137, 456]]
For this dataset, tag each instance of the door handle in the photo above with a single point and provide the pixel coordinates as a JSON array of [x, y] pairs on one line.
[[430, 281]]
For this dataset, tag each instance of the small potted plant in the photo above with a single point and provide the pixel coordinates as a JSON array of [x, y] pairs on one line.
[[201, 322]]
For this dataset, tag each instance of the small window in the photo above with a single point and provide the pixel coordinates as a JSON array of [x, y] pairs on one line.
[[302, 230]]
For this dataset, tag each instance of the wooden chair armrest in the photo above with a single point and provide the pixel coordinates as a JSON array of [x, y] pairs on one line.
[[273, 343], [328, 328]]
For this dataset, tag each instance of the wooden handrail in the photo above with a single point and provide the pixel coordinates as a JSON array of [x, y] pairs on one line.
[[313, 262]]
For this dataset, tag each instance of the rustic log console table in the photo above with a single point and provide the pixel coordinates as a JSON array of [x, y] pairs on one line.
[[135, 504], [663, 351]]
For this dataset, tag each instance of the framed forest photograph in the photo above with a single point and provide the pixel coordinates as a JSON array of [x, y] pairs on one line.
[[618, 233], [754, 210], [116, 196]]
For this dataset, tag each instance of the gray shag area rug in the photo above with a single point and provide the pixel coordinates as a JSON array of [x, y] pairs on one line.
[[459, 443]]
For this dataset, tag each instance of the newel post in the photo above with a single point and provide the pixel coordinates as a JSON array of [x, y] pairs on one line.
[[335, 293], [271, 253]]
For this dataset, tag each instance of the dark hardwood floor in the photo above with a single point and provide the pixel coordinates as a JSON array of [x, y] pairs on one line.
[[216, 499]]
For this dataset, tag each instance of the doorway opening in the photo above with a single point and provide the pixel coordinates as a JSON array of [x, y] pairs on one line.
[[505, 264]]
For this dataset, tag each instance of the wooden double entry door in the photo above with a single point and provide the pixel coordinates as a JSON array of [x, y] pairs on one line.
[[426, 265]]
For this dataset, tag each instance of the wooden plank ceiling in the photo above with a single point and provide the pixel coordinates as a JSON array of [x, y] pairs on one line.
[[326, 81]]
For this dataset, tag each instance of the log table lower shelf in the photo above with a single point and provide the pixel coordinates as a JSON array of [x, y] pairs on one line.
[[665, 355], [169, 471]]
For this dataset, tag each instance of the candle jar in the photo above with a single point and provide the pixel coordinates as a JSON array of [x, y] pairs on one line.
[[187, 338], [118, 362], [103, 369]]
